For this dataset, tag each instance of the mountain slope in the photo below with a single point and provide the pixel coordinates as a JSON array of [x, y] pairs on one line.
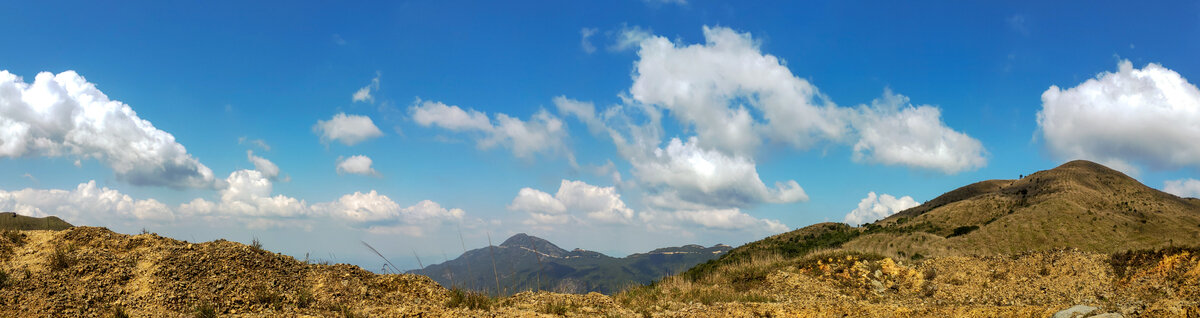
[[14, 221], [1080, 204], [519, 267]]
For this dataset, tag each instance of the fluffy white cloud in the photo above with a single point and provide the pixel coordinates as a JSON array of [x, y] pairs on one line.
[[875, 207], [686, 176], [735, 98], [358, 164], [710, 86], [1183, 187], [248, 194], [543, 133], [1145, 116], [347, 129], [268, 168], [431, 113], [364, 94], [730, 219], [602, 204], [64, 114], [894, 132], [86, 204], [379, 213]]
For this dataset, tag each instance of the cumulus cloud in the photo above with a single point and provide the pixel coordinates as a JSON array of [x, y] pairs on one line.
[[713, 87], [891, 131], [364, 94], [735, 98], [268, 168], [875, 207], [356, 165], [1183, 187], [601, 204], [543, 133], [347, 129], [1148, 116], [584, 40], [684, 175], [87, 203], [730, 219], [380, 214], [65, 115]]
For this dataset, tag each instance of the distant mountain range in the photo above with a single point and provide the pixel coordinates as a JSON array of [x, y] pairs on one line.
[[14, 221], [525, 262]]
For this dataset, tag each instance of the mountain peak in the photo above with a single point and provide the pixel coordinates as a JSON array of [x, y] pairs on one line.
[[522, 240]]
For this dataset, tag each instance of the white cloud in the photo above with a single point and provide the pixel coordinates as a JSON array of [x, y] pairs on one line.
[[875, 207], [713, 87], [356, 165], [584, 40], [736, 98], [347, 129], [1183, 187], [249, 195], [893, 132], [364, 94], [431, 113], [730, 219], [268, 168], [254, 142], [378, 213], [86, 204], [65, 115], [535, 201], [543, 133], [601, 204], [686, 176], [1147, 116], [629, 37]]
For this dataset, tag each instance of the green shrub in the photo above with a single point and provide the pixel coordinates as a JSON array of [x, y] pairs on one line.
[[469, 299], [205, 310], [304, 298], [62, 258], [556, 307], [963, 230]]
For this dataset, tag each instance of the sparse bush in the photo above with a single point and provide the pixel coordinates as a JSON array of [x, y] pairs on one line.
[[304, 298], [963, 230], [205, 310], [555, 307], [469, 299], [268, 296], [343, 310], [62, 258], [16, 237], [119, 312], [256, 244]]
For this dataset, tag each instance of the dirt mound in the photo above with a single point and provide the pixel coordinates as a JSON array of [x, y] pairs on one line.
[[89, 271]]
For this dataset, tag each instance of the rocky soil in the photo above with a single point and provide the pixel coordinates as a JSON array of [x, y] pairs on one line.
[[90, 272]]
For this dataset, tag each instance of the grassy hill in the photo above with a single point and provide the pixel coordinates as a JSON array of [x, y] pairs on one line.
[[1080, 204], [14, 221], [525, 262]]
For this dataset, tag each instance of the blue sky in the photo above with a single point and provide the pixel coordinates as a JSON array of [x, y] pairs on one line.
[[702, 115]]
